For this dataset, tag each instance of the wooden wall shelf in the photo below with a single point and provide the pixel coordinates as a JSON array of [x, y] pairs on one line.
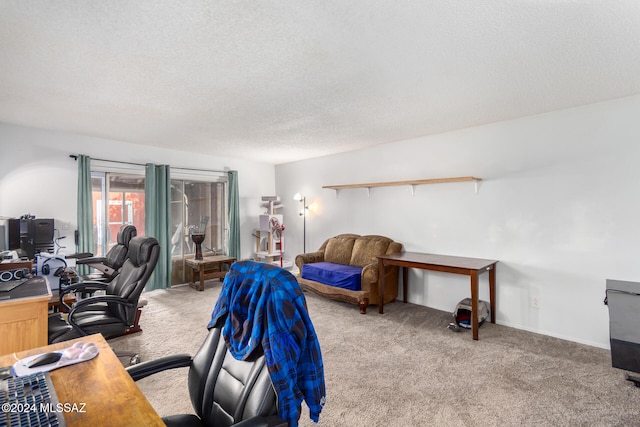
[[412, 183]]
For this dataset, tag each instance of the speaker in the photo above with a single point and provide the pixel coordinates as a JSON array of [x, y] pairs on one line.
[[6, 276], [17, 274]]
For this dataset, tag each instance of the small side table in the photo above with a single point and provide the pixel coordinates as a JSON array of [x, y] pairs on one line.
[[209, 267]]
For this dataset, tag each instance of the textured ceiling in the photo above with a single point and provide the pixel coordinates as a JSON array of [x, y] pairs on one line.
[[279, 81]]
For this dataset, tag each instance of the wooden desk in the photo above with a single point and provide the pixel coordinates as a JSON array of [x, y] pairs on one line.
[[209, 267], [471, 267], [24, 316], [101, 386]]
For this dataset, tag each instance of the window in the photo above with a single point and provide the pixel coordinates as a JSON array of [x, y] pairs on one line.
[[118, 199]]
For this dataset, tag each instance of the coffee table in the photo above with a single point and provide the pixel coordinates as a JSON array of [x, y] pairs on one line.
[[209, 267]]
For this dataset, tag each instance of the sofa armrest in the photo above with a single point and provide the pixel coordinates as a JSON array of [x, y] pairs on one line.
[[309, 258], [369, 275]]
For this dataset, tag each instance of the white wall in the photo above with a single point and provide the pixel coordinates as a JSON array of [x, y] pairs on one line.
[[558, 207], [38, 177]]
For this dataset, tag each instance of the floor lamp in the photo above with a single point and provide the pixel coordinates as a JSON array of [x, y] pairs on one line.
[[303, 214]]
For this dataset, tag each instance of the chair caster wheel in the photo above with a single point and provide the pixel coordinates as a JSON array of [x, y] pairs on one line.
[[134, 360]]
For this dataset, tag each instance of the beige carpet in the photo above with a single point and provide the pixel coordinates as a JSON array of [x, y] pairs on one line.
[[405, 368]]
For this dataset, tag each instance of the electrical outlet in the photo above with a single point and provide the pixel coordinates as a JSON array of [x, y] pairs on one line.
[[535, 302]]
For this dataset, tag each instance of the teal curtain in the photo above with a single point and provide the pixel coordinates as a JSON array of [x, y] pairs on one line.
[[157, 219], [233, 215], [85, 209]]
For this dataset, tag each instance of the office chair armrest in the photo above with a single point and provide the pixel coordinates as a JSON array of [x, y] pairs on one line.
[[104, 269], [99, 298], [91, 259], [144, 369], [80, 255], [80, 305], [87, 286], [270, 421]]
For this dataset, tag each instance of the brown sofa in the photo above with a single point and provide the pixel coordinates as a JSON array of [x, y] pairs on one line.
[[358, 251]]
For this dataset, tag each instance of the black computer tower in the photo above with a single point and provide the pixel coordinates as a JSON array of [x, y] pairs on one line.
[[13, 234], [43, 235], [32, 235]]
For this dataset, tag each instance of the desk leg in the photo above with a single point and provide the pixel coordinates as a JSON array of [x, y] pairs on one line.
[[201, 277], [380, 286], [405, 281], [474, 303], [492, 292]]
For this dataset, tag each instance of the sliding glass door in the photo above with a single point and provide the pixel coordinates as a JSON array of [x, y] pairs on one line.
[[196, 206], [118, 199]]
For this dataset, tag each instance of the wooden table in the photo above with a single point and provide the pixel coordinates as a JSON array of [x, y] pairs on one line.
[[24, 316], [209, 267], [471, 267], [101, 387]]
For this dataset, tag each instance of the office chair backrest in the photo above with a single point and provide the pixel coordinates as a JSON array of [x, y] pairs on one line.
[[225, 391], [117, 255], [264, 310], [141, 260]]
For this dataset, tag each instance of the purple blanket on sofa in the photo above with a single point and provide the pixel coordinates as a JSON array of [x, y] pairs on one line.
[[338, 275]]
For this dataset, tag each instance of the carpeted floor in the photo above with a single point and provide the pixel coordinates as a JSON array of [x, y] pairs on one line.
[[405, 368]]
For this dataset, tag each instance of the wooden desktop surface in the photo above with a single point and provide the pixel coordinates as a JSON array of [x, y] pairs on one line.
[[101, 387]]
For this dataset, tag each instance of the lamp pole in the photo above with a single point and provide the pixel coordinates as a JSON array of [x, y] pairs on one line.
[[303, 199], [304, 225]]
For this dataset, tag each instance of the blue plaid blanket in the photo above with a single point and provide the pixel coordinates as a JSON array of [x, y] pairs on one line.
[[265, 306]]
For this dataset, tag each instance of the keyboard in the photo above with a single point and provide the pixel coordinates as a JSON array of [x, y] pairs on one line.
[[30, 401]]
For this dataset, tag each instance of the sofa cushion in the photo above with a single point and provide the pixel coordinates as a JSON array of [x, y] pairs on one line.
[[338, 250], [337, 275], [367, 248]]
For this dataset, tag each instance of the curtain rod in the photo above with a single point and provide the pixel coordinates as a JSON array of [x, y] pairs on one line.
[[75, 157]]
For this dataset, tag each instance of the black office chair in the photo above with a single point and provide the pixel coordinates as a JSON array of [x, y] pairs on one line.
[[226, 391], [114, 312], [109, 265]]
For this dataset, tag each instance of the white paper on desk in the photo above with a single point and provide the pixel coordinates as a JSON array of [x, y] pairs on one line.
[[78, 352]]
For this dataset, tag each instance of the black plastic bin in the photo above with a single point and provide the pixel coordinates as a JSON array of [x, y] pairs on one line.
[[623, 299]]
